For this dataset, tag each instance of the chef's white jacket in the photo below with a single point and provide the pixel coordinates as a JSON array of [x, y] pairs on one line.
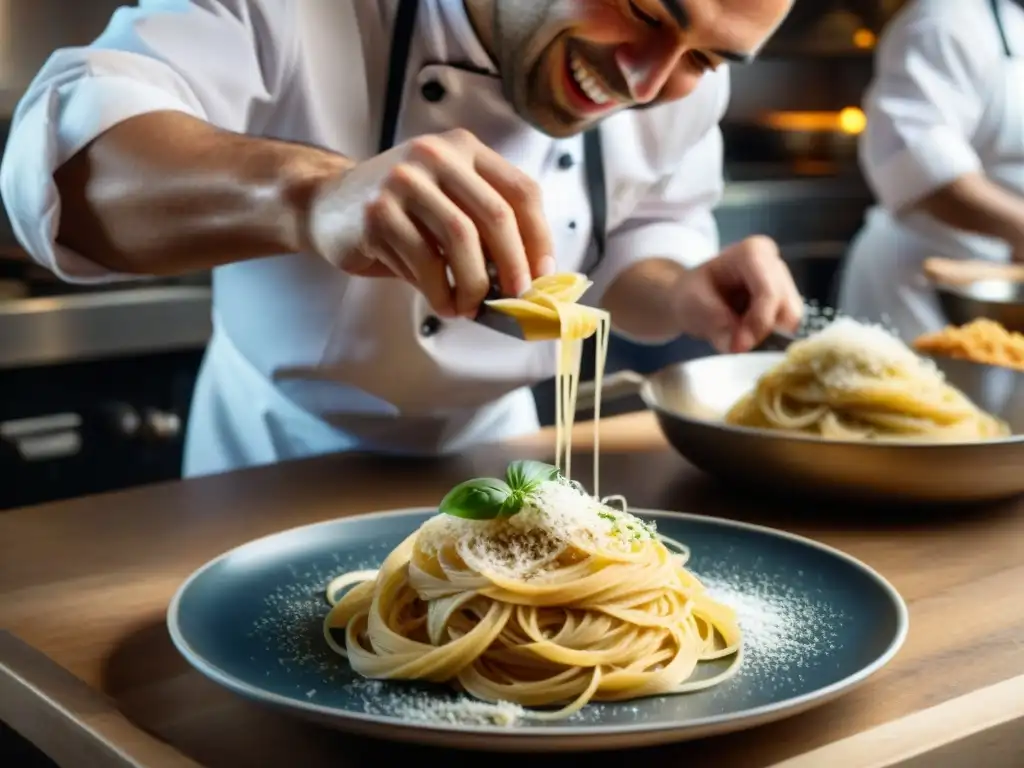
[[304, 359], [946, 100]]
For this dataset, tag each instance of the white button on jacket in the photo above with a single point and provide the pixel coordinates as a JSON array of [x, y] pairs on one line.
[[947, 99], [307, 360]]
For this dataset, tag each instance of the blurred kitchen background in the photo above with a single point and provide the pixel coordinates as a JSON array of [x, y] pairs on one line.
[[95, 383]]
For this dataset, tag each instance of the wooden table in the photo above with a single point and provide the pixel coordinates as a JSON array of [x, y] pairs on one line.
[[88, 673]]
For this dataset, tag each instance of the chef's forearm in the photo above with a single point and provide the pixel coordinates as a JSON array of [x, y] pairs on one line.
[[643, 301], [165, 193], [974, 203]]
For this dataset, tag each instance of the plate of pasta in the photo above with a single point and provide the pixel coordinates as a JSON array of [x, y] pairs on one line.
[[524, 614]]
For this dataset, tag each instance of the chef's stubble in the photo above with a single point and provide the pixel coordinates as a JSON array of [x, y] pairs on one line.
[[521, 31]]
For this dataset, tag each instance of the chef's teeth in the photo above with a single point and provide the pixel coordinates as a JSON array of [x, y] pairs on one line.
[[586, 81]]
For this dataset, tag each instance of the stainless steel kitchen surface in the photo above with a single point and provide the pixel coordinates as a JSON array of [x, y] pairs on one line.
[[92, 326]]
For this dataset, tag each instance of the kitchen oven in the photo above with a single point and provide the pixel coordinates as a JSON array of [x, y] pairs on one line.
[[95, 384]]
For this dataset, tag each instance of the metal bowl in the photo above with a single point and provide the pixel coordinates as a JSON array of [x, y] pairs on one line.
[[690, 400], [999, 300]]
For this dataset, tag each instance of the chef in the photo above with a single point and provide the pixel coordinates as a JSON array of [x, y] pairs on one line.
[[344, 168], [944, 154]]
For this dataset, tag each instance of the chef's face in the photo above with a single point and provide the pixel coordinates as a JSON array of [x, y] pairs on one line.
[[566, 64]]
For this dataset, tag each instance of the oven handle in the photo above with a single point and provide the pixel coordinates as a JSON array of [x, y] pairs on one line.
[[44, 438]]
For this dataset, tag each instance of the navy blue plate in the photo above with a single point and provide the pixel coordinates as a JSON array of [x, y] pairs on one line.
[[815, 621]]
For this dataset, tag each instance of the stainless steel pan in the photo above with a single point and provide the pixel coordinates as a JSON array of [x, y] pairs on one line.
[[998, 300], [690, 399], [968, 290]]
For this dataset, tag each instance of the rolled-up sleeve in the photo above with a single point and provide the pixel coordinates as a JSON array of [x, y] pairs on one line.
[[674, 218], [923, 107], [215, 60]]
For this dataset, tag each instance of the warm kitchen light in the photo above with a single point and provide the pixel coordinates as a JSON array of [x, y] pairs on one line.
[[864, 39], [852, 120]]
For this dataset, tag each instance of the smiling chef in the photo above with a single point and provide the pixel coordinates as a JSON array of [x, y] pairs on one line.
[[344, 167]]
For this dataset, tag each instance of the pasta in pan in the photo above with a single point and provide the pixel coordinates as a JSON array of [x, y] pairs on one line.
[[858, 382]]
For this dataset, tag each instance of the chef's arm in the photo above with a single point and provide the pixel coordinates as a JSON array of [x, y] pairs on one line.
[[976, 204], [653, 258], [931, 88], [165, 193], [643, 300], [113, 160]]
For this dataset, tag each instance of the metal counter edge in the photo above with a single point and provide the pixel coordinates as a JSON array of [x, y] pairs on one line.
[[91, 326]]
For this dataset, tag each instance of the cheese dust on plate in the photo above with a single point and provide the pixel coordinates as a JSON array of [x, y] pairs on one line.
[[289, 630], [786, 633]]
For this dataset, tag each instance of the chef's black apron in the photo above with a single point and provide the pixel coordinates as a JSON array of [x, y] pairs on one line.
[[998, 14], [398, 64]]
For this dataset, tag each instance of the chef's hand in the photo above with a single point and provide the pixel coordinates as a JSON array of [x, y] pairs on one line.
[[736, 299], [435, 203]]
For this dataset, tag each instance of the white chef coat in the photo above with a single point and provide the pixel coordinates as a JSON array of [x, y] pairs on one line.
[[946, 100], [304, 359]]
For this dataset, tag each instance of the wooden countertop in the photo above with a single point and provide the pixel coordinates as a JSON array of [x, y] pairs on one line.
[[88, 673]]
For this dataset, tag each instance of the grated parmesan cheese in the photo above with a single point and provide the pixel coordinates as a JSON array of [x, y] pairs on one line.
[[846, 351], [565, 512], [871, 343], [524, 545], [442, 530], [463, 711]]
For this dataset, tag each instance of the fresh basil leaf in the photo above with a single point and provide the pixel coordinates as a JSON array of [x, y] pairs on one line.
[[513, 504], [481, 499], [526, 475]]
